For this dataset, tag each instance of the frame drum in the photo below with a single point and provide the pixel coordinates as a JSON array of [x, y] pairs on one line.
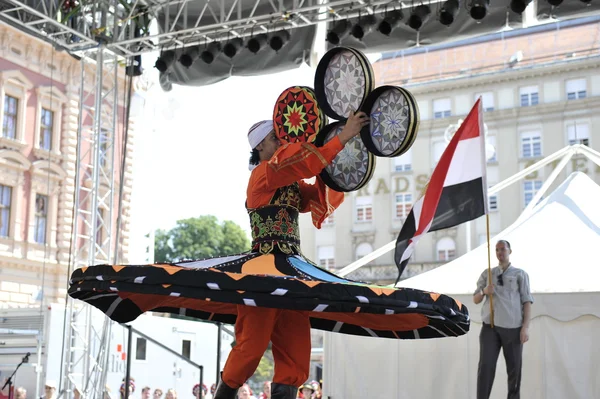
[[343, 80], [352, 168], [297, 115], [394, 122]]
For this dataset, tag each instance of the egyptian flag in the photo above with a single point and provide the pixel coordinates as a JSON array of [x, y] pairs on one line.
[[457, 191]]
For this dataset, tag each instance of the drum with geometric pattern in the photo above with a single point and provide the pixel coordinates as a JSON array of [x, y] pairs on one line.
[[352, 167], [343, 79], [297, 116], [394, 121]]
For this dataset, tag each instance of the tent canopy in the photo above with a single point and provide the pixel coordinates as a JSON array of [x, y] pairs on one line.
[[556, 244]]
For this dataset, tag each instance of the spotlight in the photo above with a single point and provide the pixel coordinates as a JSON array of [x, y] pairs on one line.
[[256, 43], [449, 11], [339, 32], [419, 16], [479, 9], [279, 40], [191, 55], [555, 3], [519, 6], [390, 22], [210, 52], [231, 47], [363, 27], [165, 61]]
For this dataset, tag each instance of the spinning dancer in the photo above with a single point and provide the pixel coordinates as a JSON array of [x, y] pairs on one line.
[[273, 293]]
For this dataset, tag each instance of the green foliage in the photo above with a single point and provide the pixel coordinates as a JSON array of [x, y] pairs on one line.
[[198, 238]]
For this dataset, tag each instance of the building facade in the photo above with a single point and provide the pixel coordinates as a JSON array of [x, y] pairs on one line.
[[40, 111], [540, 89]]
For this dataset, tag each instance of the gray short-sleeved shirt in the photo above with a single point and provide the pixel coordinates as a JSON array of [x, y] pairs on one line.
[[508, 298]]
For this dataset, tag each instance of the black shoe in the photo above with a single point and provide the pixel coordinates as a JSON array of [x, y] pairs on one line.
[[224, 391], [280, 391]]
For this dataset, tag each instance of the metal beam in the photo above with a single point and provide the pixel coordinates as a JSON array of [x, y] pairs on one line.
[[105, 21]]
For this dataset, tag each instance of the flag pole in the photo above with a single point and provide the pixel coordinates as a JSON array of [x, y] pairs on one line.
[[487, 227]]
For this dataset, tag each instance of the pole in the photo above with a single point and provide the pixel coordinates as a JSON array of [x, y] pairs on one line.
[[128, 367], [218, 354], [487, 228], [201, 368]]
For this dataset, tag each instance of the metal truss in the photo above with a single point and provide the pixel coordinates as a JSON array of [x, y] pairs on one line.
[[183, 22], [85, 357]]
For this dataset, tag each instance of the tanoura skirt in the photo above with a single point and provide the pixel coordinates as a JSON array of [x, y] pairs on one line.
[[212, 289]]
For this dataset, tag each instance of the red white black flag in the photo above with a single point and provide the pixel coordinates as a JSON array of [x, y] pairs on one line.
[[457, 190]]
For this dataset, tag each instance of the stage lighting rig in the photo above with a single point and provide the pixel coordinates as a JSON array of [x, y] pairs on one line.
[[419, 15], [519, 6], [339, 32], [256, 43], [164, 62], [479, 9], [363, 26], [232, 47], [210, 52], [449, 11], [390, 22], [279, 39]]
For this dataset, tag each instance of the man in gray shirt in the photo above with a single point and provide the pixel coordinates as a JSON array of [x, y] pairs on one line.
[[512, 312]]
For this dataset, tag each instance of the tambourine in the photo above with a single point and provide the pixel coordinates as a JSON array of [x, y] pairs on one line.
[[343, 80], [394, 121], [297, 116], [352, 167]]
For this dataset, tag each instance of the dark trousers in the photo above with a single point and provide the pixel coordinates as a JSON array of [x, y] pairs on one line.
[[490, 342]]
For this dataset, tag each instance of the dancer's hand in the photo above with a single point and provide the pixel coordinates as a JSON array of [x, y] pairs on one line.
[[524, 334], [356, 121], [489, 290]]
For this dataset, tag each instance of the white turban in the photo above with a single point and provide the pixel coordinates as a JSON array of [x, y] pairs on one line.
[[258, 132]]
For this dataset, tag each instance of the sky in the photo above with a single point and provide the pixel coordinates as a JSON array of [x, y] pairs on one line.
[[191, 150]]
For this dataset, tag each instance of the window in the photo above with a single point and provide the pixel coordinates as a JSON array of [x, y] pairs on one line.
[[487, 100], [363, 249], [41, 218], [140, 348], [329, 220], [46, 124], [446, 249], [403, 205], [530, 187], [403, 163], [442, 108], [364, 209], [326, 257], [5, 202], [438, 149], [493, 202], [186, 348], [529, 96], [578, 133], [531, 144], [11, 117], [491, 149], [576, 88]]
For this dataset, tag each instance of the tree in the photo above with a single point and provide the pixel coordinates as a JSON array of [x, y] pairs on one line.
[[198, 238]]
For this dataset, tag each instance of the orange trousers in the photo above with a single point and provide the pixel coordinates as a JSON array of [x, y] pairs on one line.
[[289, 333]]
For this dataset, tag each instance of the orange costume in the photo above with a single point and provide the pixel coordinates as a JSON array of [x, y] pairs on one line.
[[276, 183]]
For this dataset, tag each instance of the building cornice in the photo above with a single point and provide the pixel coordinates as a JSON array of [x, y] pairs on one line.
[[480, 81]]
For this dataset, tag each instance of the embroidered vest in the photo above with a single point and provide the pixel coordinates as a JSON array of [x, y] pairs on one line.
[[275, 226]]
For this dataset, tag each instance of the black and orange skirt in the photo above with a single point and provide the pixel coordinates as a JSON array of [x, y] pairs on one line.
[[212, 289]]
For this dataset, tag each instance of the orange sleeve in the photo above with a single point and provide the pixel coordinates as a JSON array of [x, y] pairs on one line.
[[319, 200], [297, 161]]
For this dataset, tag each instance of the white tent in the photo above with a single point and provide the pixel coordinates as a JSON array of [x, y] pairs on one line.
[[557, 244]]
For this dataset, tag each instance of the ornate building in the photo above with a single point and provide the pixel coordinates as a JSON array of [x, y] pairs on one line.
[[540, 89], [40, 110]]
